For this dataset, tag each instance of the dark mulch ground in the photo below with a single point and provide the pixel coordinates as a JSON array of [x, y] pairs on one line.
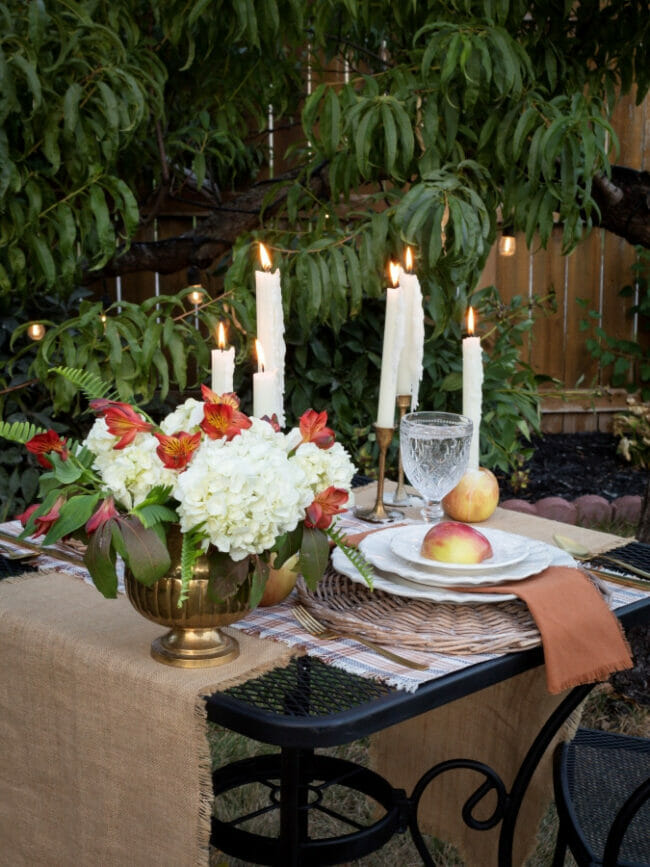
[[570, 465]]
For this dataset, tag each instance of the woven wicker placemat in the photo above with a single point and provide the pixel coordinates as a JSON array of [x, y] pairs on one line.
[[417, 624]]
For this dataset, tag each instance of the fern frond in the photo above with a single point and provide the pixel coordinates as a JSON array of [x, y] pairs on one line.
[[91, 385], [190, 553], [19, 431], [354, 555]]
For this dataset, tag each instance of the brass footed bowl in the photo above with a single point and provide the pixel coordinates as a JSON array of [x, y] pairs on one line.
[[194, 639]]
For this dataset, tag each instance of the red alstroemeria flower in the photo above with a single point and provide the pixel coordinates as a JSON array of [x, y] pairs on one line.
[[221, 420], [273, 421], [43, 444], [327, 504], [104, 513], [313, 430], [44, 522], [26, 515], [123, 422], [176, 451], [229, 398]]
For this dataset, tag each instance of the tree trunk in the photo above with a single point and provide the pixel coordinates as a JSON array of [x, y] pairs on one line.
[[624, 202], [212, 237]]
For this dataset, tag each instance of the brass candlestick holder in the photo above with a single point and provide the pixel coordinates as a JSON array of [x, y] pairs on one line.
[[379, 514], [400, 497]]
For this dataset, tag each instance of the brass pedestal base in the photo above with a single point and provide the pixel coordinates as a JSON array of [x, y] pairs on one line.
[[194, 648]]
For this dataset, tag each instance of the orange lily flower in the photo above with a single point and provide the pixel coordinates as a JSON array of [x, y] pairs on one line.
[[42, 444], [313, 429], [327, 504], [229, 398], [123, 422], [176, 451], [26, 515], [221, 420], [104, 513], [44, 522]]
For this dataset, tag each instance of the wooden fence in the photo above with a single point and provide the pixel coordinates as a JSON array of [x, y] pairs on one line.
[[595, 271]]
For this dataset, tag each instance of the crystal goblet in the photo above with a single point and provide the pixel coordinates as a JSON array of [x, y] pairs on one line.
[[435, 450]]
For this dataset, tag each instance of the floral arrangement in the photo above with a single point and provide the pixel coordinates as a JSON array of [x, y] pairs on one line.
[[238, 487]]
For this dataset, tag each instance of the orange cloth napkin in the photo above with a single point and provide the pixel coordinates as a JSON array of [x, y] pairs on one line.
[[582, 639]]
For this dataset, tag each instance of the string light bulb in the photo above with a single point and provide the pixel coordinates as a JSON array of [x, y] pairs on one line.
[[507, 243], [36, 331]]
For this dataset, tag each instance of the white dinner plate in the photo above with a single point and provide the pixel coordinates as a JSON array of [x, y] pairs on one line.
[[391, 583], [507, 549], [377, 549]]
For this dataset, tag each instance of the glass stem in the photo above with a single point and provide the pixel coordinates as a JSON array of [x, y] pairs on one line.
[[432, 512]]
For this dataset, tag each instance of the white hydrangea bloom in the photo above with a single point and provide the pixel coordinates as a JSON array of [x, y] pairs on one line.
[[99, 439], [245, 492], [130, 473], [325, 467], [186, 417]]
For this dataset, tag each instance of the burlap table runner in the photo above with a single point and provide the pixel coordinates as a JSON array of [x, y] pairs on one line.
[[104, 758]]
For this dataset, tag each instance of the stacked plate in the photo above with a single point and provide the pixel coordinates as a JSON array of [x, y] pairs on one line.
[[400, 568]]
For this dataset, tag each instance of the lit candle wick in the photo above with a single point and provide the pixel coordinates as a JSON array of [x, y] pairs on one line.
[[470, 321], [265, 259], [260, 357], [408, 260], [393, 268], [221, 336]]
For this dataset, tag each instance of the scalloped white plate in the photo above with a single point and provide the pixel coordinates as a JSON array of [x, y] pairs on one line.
[[377, 549], [507, 549], [392, 583]]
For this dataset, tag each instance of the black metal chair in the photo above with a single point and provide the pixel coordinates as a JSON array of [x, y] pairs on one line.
[[602, 795]]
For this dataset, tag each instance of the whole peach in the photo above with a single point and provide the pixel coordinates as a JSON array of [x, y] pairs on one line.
[[451, 542], [474, 498], [279, 583]]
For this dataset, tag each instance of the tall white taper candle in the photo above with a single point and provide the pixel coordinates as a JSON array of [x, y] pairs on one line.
[[392, 349], [270, 326], [472, 387]]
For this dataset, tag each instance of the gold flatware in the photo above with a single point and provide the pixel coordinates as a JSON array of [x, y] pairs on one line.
[[319, 630], [38, 550], [581, 553]]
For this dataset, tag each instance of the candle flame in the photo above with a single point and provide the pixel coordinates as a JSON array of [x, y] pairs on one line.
[[408, 259], [394, 273], [265, 259], [221, 336], [260, 356], [470, 321]]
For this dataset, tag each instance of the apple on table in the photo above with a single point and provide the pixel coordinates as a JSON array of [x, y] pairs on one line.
[[474, 498]]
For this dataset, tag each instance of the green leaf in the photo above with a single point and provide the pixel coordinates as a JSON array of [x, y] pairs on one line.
[[100, 560], [66, 472], [74, 514], [314, 555], [146, 555], [226, 575], [155, 514]]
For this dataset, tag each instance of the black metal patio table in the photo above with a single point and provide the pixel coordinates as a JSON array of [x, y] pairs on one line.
[[308, 705]]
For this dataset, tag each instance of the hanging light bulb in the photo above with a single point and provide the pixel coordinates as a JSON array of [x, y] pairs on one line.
[[507, 243], [194, 283], [36, 331]]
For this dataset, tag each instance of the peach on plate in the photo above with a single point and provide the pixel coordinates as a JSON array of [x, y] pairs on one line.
[[452, 542]]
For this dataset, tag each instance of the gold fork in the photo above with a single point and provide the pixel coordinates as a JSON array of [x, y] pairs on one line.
[[316, 628]]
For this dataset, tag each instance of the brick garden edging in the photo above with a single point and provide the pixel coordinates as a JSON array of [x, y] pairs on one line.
[[587, 510]]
